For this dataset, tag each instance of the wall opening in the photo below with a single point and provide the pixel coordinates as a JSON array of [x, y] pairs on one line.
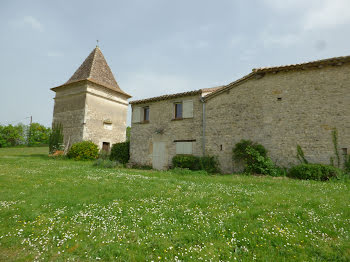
[[106, 146], [345, 151], [279, 99]]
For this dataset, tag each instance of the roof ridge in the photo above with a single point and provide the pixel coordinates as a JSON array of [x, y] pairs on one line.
[[93, 61], [298, 65]]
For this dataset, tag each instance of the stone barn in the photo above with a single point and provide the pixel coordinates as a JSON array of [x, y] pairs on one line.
[[279, 107], [91, 105]]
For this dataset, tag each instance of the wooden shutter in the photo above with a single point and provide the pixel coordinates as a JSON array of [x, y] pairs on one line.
[[187, 109], [184, 148], [136, 115], [188, 148]]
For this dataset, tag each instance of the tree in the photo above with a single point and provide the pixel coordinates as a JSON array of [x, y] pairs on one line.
[[11, 135], [38, 134]]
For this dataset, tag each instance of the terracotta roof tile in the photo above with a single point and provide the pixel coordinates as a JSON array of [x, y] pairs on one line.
[[165, 97], [329, 61], [302, 66], [96, 70]]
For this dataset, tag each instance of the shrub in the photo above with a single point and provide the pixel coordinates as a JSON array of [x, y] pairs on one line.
[[347, 164], [105, 163], [318, 172], [85, 150], [209, 164], [240, 150], [56, 138], [103, 154], [258, 164], [120, 152], [186, 161]]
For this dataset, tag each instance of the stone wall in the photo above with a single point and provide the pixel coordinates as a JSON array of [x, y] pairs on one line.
[[162, 113], [83, 108], [281, 111], [105, 106], [69, 110]]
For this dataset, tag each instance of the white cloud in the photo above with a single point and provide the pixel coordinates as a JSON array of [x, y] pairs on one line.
[[314, 14], [329, 14], [33, 22]]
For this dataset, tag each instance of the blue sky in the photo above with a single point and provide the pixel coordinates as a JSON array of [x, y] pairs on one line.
[[156, 47]]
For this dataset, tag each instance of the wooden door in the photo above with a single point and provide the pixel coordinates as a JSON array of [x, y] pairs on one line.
[[105, 146], [160, 156]]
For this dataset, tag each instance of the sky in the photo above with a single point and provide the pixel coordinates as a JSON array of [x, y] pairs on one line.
[[157, 47]]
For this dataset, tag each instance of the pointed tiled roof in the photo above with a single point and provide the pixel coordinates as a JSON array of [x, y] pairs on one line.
[[95, 69]]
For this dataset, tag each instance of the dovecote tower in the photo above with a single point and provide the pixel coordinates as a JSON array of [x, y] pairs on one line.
[[91, 105]]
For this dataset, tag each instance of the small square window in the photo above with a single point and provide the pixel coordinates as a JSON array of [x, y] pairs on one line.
[[146, 114], [345, 151], [279, 99], [178, 110]]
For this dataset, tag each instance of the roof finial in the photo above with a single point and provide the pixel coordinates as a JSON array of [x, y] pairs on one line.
[[96, 43]]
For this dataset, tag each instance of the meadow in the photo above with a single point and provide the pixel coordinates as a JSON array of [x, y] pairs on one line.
[[63, 210]]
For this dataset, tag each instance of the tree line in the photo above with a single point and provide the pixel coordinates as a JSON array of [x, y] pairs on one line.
[[24, 135]]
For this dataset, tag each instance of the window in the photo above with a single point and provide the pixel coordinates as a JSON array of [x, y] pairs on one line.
[[107, 124], [136, 114], [184, 148], [178, 110], [146, 114]]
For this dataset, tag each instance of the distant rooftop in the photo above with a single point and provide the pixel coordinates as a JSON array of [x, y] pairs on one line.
[[204, 91]]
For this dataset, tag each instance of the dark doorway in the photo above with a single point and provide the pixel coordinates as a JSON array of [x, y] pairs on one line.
[[106, 146]]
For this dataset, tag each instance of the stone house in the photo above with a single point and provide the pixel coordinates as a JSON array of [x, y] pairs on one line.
[[91, 105], [279, 107]]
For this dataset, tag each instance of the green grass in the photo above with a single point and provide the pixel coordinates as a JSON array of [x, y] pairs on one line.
[[63, 210]]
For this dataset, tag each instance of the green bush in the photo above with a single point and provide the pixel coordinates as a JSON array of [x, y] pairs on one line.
[[56, 138], [240, 150], [318, 172], [347, 164], [85, 150], [258, 164], [209, 164], [105, 163], [120, 152], [186, 161]]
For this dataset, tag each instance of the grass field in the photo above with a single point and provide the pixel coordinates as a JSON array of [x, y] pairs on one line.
[[61, 210]]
